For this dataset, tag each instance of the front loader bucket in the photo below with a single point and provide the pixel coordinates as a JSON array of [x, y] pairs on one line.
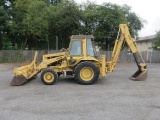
[[24, 73], [18, 80], [139, 75]]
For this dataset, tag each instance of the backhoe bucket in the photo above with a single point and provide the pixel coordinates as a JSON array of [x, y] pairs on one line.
[[24, 73], [140, 75]]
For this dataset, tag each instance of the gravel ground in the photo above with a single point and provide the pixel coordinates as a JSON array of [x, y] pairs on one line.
[[113, 98]]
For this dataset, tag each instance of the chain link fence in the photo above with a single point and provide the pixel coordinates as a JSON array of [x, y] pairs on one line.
[[28, 55]]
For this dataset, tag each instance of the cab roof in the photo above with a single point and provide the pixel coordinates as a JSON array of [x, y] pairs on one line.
[[82, 37]]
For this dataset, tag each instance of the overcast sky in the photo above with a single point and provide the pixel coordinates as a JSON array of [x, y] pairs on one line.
[[148, 10]]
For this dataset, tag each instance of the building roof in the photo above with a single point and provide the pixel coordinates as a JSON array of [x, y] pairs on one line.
[[151, 37]]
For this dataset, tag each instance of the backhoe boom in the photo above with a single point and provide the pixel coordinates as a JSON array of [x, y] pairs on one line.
[[124, 36]]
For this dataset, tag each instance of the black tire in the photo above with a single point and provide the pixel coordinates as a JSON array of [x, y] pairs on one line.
[[52, 76], [86, 73]]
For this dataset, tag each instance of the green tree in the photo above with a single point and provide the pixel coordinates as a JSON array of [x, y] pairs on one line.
[[53, 2], [134, 21], [37, 23], [5, 20], [156, 41], [103, 22], [30, 23], [111, 16], [64, 21]]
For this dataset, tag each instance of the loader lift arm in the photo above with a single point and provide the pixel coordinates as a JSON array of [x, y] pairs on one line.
[[124, 36]]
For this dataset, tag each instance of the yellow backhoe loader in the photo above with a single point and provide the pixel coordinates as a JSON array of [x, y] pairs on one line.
[[81, 61]]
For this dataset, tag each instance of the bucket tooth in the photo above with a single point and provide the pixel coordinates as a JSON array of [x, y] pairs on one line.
[[18, 80], [139, 75]]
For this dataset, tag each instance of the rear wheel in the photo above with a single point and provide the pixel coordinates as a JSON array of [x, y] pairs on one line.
[[86, 73], [49, 76]]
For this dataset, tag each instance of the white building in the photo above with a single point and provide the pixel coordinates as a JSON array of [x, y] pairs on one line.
[[145, 43]]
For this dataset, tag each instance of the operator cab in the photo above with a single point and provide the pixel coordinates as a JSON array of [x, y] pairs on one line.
[[82, 45]]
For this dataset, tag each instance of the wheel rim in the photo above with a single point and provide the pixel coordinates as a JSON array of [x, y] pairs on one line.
[[86, 73], [49, 77]]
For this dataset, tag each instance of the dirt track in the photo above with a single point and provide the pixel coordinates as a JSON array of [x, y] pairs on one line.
[[113, 98]]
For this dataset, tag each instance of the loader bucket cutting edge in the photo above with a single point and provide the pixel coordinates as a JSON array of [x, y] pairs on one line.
[[18, 80], [139, 75]]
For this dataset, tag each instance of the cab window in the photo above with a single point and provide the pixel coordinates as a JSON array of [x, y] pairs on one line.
[[76, 48], [90, 50]]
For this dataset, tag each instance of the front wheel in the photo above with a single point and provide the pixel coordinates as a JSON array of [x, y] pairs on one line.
[[86, 73], [49, 76]]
